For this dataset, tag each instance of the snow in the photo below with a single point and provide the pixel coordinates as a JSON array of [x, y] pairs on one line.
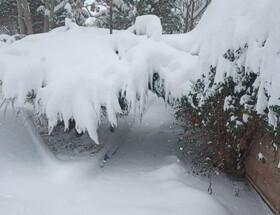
[[78, 72], [260, 156], [148, 174], [4, 38], [100, 10], [148, 25], [75, 71], [250, 28], [98, 67], [89, 2]]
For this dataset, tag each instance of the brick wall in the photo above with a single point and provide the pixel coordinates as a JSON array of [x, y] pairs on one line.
[[265, 175]]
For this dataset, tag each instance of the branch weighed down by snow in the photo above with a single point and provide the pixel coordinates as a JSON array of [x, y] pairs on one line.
[[76, 73]]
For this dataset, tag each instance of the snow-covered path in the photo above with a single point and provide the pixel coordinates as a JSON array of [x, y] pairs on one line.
[[146, 176]]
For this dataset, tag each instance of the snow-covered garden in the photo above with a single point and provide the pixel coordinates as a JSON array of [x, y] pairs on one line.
[[85, 77], [147, 175]]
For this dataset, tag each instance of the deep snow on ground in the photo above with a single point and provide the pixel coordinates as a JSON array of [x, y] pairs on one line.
[[147, 175]]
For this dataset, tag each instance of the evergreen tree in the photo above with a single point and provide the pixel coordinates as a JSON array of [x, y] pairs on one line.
[[8, 16], [177, 16]]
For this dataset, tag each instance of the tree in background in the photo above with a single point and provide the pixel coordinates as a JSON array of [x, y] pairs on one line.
[[24, 17], [8, 17], [126, 11], [36, 16], [190, 12], [177, 16]]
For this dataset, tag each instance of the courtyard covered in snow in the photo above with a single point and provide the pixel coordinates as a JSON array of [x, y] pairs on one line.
[[147, 175], [101, 81]]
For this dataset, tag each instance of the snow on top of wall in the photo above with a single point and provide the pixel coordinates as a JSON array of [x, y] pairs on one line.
[[76, 72]]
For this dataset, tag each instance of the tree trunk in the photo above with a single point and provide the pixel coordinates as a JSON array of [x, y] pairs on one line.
[[47, 16], [186, 19], [52, 14], [27, 17], [192, 16], [21, 23]]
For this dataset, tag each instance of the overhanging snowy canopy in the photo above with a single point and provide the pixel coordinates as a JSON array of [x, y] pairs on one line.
[[76, 72], [239, 38]]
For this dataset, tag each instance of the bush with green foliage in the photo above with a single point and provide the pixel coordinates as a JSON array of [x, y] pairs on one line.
[[226, 110]]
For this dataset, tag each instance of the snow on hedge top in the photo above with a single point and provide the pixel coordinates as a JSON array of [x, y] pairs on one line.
[[76, 72], [251, 27]]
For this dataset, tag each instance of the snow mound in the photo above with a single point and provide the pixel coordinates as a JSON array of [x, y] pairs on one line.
[[76, 73], [149, 25]]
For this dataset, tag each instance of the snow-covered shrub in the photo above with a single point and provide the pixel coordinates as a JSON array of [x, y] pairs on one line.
[[237, 44], [76, 73], [4, 38]]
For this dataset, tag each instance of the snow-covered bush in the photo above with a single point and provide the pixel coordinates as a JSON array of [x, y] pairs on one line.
[[76, 73], [237, 44]]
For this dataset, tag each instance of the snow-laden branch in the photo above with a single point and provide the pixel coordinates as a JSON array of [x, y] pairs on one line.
[[60, 6]]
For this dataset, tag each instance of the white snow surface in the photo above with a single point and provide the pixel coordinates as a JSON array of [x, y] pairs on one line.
[[75, 71], [147, 175]]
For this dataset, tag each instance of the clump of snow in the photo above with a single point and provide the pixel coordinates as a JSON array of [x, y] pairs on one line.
[[68, 7], [149, 25], [88, 2], [260, 156], [278, 165], [4, 38]]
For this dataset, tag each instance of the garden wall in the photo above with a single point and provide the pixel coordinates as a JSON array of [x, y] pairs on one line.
[[265, 175]]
